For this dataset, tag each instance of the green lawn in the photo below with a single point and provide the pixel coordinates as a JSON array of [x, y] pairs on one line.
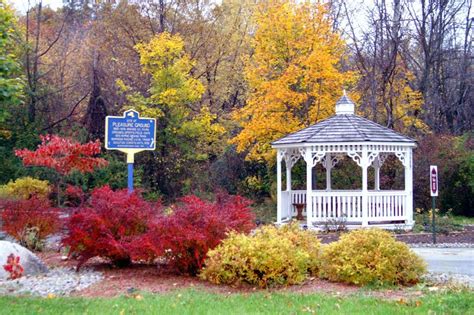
[[194, 302], [458, 219]]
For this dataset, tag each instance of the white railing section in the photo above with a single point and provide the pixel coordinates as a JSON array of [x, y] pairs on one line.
[[381, 205], [337, 204], [386, 205]]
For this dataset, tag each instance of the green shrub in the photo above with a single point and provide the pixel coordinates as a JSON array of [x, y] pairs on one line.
[[371, 256], [25, 188], [444, 222], [271, 256]]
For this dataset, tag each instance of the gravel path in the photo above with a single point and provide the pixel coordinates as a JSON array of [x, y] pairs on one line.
[[448, 264], [440, 278], [442, 245], [58, 281]]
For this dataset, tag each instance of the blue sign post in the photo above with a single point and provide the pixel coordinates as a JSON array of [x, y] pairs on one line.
[[130, 134]]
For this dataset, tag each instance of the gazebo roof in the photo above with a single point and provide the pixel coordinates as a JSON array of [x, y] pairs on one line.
[[345, 126]]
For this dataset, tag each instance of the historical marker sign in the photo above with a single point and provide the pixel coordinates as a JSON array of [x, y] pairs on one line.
[[434, 180], [130, 132]]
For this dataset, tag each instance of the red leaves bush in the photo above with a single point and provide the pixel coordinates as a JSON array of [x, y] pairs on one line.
[[19, 215], [196, 226], [110, 225], [75, 196], [125, 228], [63, 155]]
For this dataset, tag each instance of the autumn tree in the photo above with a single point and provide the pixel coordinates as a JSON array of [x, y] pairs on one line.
[[293, 74], [64, 156], [187, 134], [387, 84], [441, 58]]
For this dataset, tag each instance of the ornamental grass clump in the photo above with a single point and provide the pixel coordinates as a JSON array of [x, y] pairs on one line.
[[271, 256], [371, 256]]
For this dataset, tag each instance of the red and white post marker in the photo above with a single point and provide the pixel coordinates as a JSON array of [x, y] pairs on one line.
[[434, 194], [434, 180]]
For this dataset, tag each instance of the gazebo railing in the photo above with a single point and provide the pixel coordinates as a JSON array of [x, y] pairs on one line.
[[327, 205], [337, 204], [387, 205]]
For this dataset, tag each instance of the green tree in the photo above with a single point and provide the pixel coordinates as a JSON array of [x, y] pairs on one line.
[[12, 128], [11, 83]]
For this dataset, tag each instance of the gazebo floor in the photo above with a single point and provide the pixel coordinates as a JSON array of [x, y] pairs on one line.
[[325, 226]]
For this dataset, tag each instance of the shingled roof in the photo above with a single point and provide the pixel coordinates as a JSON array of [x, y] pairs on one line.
[[345, 126]]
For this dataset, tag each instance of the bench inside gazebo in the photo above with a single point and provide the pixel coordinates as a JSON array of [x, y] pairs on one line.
[[368, 144]]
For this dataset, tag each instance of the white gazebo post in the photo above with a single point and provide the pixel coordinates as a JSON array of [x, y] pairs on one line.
[[279, 199], [377, 173], [409, 186], [364, 161], [308, 157], [328, 165], [288, 174]]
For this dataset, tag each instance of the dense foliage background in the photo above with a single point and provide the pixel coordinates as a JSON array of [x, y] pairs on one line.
[[226, 78]]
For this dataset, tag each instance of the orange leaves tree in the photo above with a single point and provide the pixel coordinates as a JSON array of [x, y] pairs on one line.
[[294, 74], [64, 155]]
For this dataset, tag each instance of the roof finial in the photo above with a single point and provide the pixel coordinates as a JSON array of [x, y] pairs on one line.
[[344, 105]]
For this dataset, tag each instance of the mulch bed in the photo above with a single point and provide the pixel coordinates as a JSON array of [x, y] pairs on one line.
[[465, 236], [136, 278], [150, 278]]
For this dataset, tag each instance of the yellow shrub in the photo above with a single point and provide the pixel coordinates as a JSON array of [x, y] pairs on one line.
[[24, 188], [371, 256], [272, 256]]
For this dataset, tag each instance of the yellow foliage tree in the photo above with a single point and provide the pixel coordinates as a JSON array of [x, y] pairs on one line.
[[293, 74], [391, 100], [403, 103], [172, 86], [187, 133]]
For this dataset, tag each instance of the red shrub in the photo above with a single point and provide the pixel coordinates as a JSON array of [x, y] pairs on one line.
[[110, 225], [19, 215], [196, 226], [75, 196]]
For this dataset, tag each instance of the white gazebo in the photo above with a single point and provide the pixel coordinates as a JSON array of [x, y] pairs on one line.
[[368, 144]]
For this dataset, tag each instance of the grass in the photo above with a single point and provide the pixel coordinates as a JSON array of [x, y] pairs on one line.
[[265, 212], [194, 302], [459, 219]]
